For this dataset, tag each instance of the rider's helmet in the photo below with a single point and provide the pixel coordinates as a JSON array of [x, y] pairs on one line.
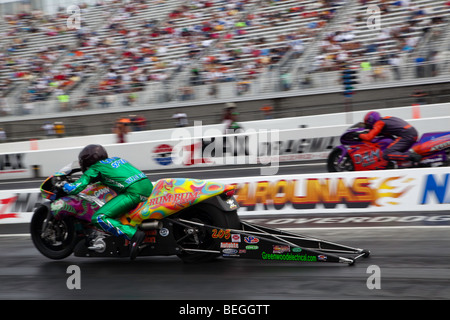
[[90, 155], [371, 117]]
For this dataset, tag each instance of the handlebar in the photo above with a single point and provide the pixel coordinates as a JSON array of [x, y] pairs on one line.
[[57, 184]]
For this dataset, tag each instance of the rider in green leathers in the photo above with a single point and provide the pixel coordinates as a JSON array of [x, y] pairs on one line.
[[132, 187]]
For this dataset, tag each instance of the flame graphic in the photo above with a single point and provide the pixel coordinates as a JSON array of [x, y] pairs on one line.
[[387, 190]]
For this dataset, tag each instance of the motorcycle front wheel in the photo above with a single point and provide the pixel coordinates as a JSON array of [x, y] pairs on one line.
[[200, 238], [336, 164], [55, 239]]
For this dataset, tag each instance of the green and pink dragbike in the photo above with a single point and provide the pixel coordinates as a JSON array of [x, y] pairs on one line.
[[196, 220]]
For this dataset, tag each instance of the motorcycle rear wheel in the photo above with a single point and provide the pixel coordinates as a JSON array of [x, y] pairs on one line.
[[58, 239], [333, 164], [208, 215]]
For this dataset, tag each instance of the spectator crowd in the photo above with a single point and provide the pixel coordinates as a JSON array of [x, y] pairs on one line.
[[124, 47]]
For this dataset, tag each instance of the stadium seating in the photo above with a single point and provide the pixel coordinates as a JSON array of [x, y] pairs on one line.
[[181, 47], [383, 52]]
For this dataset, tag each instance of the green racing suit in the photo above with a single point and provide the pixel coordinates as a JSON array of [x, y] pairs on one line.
[[132, 187]]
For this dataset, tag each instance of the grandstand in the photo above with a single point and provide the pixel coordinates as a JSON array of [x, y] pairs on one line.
[[140, 56]]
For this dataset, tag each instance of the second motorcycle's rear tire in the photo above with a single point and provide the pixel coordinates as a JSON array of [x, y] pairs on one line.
[[209, 215]]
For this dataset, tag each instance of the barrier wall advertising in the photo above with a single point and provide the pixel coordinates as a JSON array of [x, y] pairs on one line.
[[205, 148], [414, 114], [411, 190], [201, 147], [363, 191]]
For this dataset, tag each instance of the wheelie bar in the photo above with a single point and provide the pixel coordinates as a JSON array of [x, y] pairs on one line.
[[259, 242]]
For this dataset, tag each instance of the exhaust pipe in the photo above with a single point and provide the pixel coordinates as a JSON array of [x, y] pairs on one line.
[[151, 225]]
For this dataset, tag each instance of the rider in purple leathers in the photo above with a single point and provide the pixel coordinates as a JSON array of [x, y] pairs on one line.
[[405, 136]]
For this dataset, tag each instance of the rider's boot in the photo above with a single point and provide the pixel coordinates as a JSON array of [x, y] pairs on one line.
[[98, 244], [392, 165], [415, 158], [137, 239], [95, 242]]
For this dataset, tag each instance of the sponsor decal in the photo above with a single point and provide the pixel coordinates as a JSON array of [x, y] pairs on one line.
[[11, 162], [236, 238], [229, 245], [230, 251], [288, 257], [164, 232], [443, 145], [162, 154], [8, 215], [251, 239], [367, 158], [10, 207], [177, 198], [221, 234], [280, 248], [5, 204], [250, 146], [436, 189], [150, 236], [328, 193], [232, 204], [299, 149], [150, 239], [192, 157]]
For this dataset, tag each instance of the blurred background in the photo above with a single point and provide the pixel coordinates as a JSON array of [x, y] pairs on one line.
[[68, 62], [73, 68]]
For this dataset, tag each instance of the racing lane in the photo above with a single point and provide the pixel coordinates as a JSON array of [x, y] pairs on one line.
[[413, 263]]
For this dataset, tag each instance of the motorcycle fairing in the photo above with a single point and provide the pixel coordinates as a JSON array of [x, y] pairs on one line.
[[168, 196], [172, 195], [74, 206], [367, 156], [431, 143], [79, 205]]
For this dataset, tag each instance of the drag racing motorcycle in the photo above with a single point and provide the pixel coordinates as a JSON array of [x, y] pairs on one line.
[[195, 220], [357, 155]]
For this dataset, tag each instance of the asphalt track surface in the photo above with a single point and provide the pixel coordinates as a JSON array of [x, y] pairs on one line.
[[410, 261]]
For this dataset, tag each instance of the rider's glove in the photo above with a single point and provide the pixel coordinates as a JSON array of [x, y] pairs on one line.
[[67, 187]]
